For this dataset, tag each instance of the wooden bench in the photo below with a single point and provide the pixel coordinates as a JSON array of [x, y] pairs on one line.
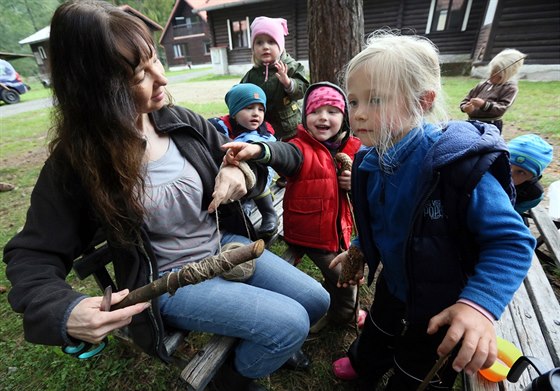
[[550, 235], [202, 367], [532, 323]]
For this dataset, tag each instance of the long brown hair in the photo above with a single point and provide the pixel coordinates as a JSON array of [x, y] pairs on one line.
[[94, 49]]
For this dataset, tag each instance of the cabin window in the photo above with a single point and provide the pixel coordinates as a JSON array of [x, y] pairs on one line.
[[206, 45], [448, 15], [179, 21], [238, 34], [42, 53], [178, 51]]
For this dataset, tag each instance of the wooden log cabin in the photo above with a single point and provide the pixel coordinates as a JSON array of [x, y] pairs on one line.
[[467, 32]]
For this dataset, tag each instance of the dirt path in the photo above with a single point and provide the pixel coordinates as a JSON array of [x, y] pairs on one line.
[[201, 91]]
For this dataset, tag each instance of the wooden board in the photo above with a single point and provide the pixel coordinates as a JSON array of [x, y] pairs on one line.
[[548, 230], [202, 368]]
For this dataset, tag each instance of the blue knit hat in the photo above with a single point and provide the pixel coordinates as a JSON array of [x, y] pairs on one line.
[[530, 152], [243, 95]]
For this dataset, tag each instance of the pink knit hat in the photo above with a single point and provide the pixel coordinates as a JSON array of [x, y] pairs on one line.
[[323, 96], [277, 28]]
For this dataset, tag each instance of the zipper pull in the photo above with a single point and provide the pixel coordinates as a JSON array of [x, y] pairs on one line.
[[405, 324]]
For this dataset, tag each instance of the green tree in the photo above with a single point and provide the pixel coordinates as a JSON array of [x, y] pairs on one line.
[[18, 20], [21, 18]]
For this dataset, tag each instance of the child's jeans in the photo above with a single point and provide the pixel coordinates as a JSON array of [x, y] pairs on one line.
[[388, 343], [270, 312]]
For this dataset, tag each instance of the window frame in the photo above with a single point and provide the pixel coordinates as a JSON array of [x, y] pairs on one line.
[[446, 29], [230, 33]]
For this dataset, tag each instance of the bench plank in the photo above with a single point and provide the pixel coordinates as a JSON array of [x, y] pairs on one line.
[[546, 307], [532, 323], [202, 368], [548, 230]]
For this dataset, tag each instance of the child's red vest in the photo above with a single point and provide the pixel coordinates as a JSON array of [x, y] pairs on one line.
[[317, 213]]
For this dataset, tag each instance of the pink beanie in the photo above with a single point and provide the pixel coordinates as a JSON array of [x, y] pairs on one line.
[[277, 28], [323, 96]]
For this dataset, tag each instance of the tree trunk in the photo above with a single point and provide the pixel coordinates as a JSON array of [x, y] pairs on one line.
[[336, 33]]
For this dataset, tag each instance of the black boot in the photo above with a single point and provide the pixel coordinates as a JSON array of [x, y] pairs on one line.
[[269, 223], [228, 379]]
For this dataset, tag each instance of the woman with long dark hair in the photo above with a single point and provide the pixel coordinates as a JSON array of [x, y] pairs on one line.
[[149, 176]]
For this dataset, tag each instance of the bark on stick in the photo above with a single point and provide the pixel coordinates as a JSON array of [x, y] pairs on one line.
[[193, 273]]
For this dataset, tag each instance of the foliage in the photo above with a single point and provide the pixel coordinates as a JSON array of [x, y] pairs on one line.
[[21, 18], [157, 10], [18, 20]]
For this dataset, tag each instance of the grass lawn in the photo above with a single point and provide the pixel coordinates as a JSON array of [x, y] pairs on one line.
[[25, 366]]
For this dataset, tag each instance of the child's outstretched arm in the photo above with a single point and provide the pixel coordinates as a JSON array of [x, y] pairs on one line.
[[284, 157], [239, 151], [475, 332]]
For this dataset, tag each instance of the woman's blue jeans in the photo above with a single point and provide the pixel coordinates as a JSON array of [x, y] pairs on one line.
[[270, 312]]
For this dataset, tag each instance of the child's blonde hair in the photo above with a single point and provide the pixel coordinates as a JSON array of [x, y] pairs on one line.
[[403, 71], [508, 62]]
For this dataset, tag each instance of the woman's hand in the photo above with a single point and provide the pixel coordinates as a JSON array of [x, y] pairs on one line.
[[282, 74], [88, 323], [238, 151], [344, 180], [230, 186], [478, 346]]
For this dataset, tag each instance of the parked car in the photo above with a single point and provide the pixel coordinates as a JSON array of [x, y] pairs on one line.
[[11, 84]]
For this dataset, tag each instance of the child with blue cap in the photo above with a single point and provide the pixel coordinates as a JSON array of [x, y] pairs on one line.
[[245, 122], [529, 155]]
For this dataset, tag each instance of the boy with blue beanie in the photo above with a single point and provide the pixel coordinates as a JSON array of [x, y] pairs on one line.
[[245, 122], [529, 156]]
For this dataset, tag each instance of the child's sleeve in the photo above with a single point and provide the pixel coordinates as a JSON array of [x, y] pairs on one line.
[[300, 82], [473, 93], [506, 247], [285, 158], [498, 108]]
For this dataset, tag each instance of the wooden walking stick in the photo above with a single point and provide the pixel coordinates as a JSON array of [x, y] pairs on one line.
[[355, 257], [193, 273]]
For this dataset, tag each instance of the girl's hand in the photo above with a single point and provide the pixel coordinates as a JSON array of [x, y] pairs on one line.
[[282, 74], [341, 262], [477, 102], [344, 181], [468, 108], [475, 332], [88, 323], [239, 151], [230, 186]]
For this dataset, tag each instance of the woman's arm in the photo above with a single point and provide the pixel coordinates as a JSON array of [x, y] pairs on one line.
[[57, 229]]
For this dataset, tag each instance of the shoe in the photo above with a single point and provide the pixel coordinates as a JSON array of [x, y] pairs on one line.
[[319, 325], [269, 222], [362, 315], [297, 361], [342, 369], [228, 379]]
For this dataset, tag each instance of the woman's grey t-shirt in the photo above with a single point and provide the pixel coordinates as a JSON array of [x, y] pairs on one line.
[[179, 230]]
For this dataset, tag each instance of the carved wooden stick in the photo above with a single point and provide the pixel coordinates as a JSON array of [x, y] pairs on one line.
[[353, 265], [193, 273]]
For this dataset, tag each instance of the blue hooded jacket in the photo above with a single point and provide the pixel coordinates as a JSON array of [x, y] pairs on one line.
[[439, 216]]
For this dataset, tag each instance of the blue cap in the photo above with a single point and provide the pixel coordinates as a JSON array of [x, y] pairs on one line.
[[243, 95], [530, 152]]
